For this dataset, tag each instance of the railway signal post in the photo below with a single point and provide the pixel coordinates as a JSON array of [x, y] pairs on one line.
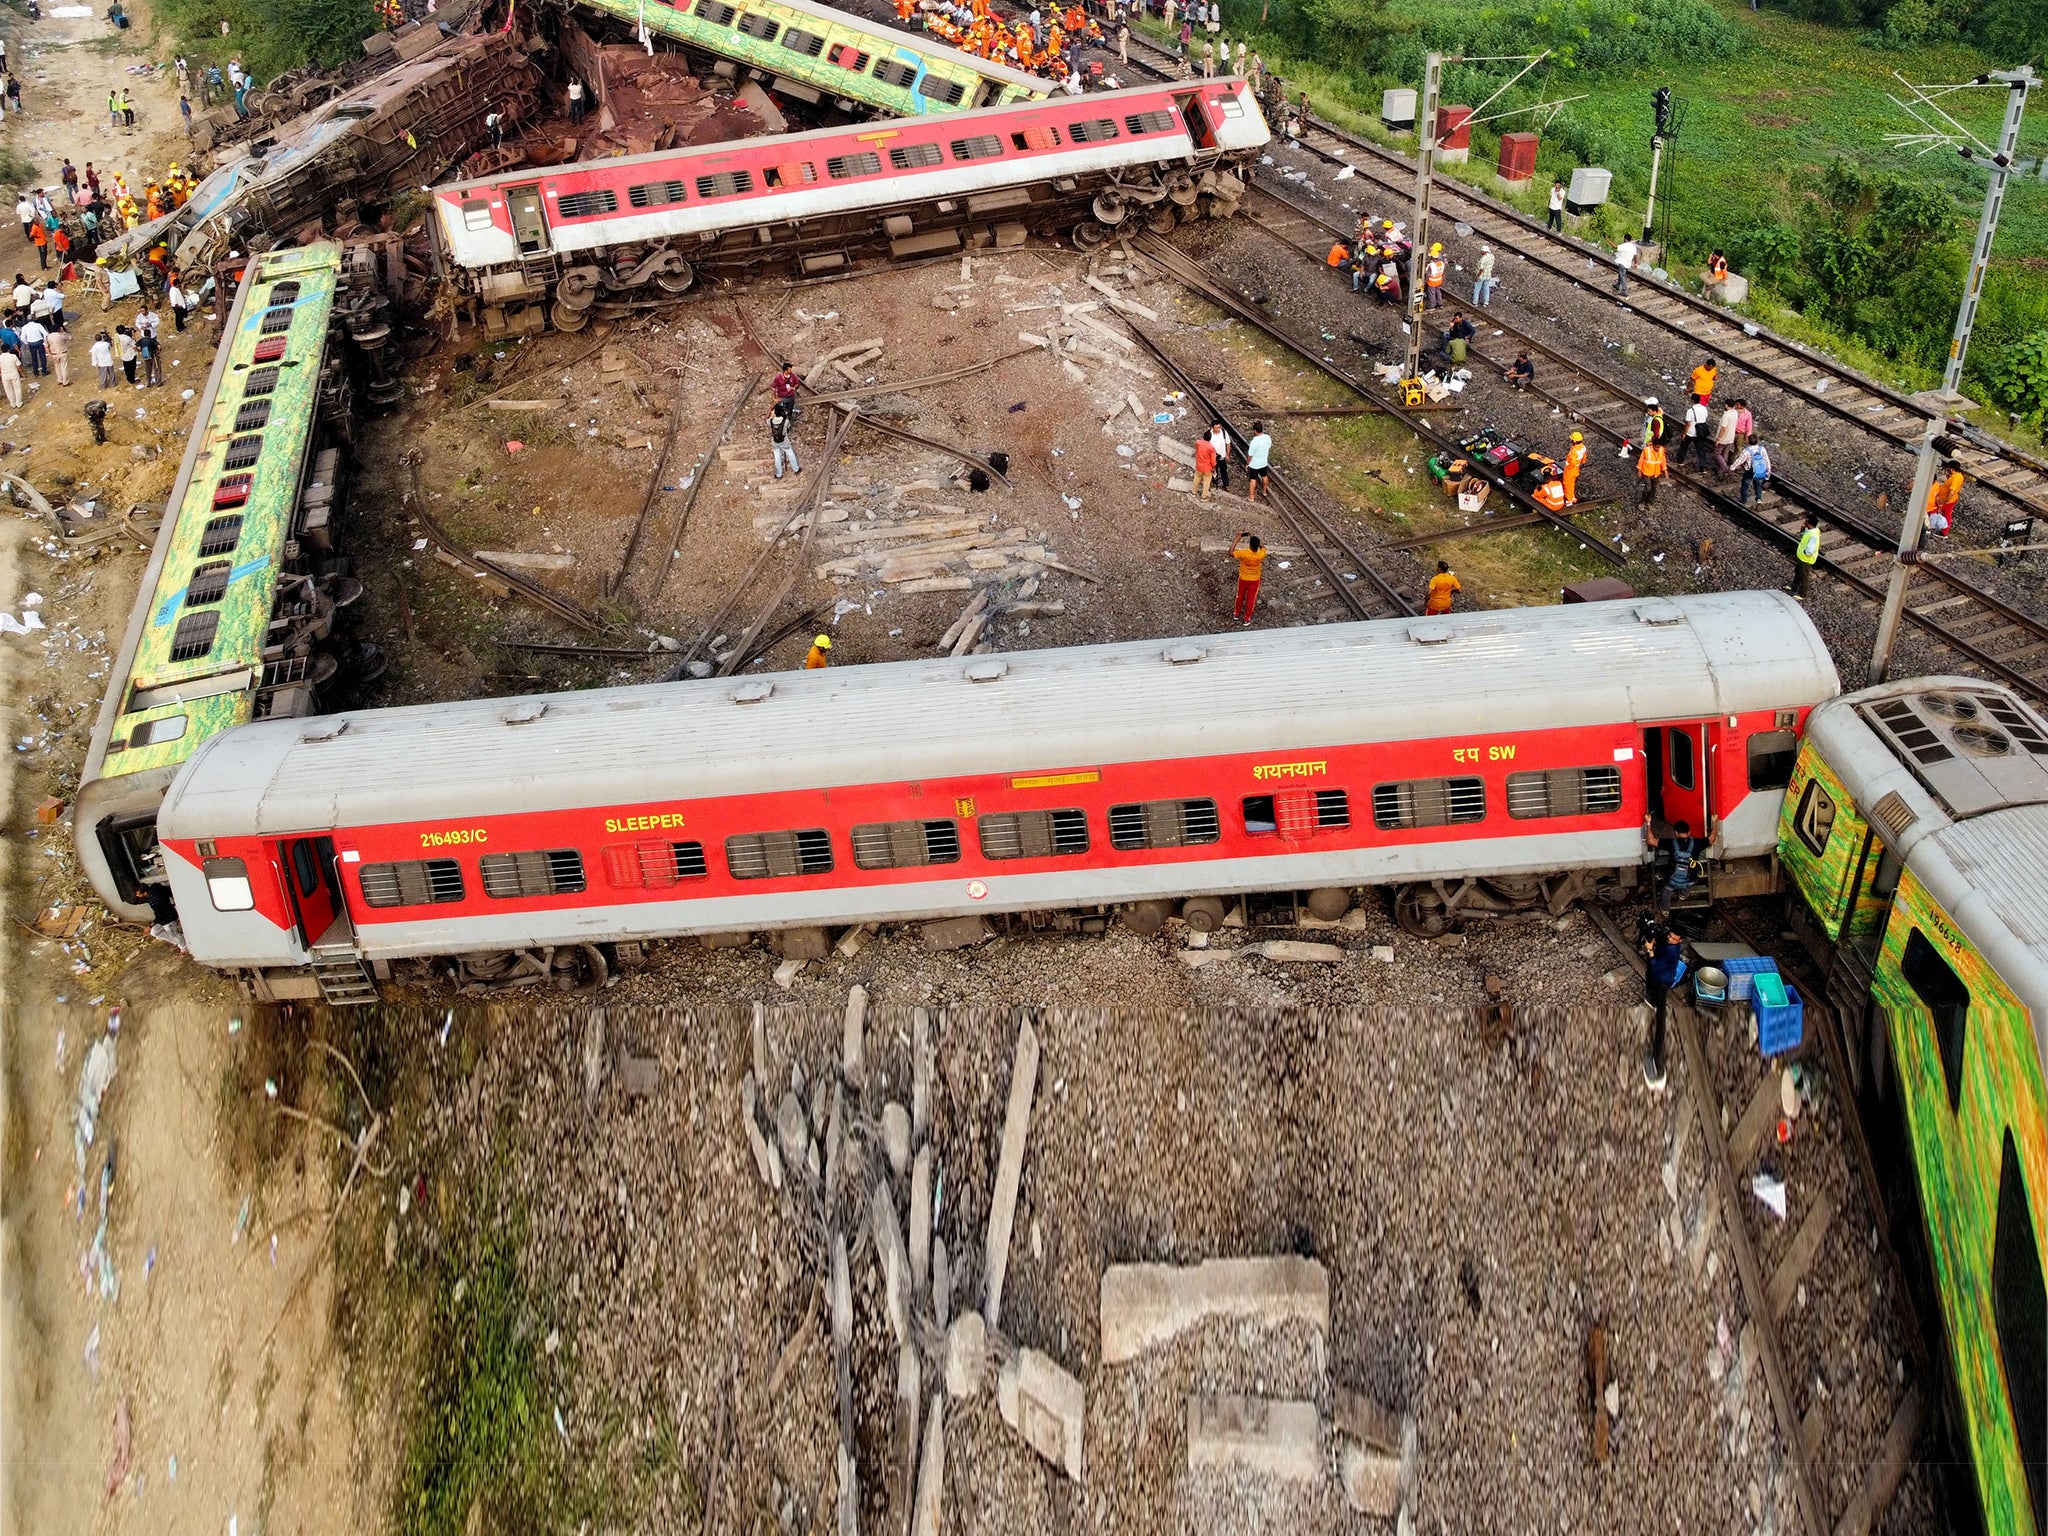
[[2018, 82]]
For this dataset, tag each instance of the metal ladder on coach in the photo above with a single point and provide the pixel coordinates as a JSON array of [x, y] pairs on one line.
[[344, 983]]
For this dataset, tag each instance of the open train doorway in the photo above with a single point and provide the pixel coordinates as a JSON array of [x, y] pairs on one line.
[[529, 224], [1199, 127]]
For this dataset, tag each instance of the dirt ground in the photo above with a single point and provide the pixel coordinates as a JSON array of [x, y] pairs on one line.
[[209, 1351], [551, 1303]]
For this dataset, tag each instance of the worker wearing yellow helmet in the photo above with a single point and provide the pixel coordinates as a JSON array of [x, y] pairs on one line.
[[1574, 461], [1433, 278], [820, 653]]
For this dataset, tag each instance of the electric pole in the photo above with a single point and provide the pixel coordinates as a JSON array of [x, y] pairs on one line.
[[1660, 101], [2017, 82]]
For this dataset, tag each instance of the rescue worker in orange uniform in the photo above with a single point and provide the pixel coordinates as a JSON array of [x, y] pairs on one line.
[[1443, 587], [1550, 490], [819, 653], [1337, 257], [1574, 461], [1650, 468], [1433, 279], [1945, 499]]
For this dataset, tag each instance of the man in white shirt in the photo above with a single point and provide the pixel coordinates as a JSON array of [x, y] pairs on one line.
[[1555, 218], [33, 335], [25, 210], [1693, 440], [24, 295], [102, 355], [1624, 260]]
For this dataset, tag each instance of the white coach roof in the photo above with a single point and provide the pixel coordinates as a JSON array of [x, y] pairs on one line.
[[1258, 691]]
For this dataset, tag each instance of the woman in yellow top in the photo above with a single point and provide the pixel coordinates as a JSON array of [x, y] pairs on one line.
[[1703, 380], [1250, 556], [1443, 586]]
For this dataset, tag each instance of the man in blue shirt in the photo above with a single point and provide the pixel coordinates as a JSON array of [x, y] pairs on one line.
[[1666, 953], [1258, 454]]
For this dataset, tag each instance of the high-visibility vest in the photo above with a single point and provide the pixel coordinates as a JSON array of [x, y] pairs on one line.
[[1651, 464], [1551, 494], [1576, 457], [1339, 255], [1433, 273], [1809, 546]]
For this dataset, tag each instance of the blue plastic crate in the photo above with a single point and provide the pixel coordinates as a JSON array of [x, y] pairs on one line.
[[1780, 1028], [1740, 969]]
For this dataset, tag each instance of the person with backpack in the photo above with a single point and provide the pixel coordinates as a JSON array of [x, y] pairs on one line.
[[1755, 464]]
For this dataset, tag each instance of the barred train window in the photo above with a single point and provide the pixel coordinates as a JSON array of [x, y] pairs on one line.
[[911, 157], [725, 184], [983, 146], [1044, 136], [1033, 834], [840, 167], [1094, 131], [889, 72], [1148, 122], [252, 416], [716, 14], [655, 194], [275, 322], [193, 637], [846, 56], [1297, 812], [948, 91], [1564, 792], [286, 292], [763, 855], [1163, 824], [412, 883], [556, 871], [581, 205], [905, 844], [261, 381], [760, 26], [242, 452], [221, 535], [208, 584], [807, 43], [1428, 803], [653, 866]]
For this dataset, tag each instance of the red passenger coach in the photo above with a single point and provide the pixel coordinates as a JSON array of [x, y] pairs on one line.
[[636, 229], [1483, 760]]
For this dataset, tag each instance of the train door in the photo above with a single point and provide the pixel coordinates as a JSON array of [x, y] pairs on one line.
[[1199, 128], [1676, 759], [988, 93], [311, 878], [529, 223]]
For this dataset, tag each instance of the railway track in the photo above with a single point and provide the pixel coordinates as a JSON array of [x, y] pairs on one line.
[[1736, 1142], [1799, 372], [1977, 626], [1357, 585]]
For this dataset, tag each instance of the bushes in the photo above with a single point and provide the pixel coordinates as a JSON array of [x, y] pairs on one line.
[[2019, 379], [269, 36]]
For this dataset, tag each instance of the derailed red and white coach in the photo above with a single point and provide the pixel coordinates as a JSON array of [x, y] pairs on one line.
[[642, 228], [1495, 760]]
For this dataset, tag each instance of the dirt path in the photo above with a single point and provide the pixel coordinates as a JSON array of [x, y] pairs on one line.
[[216, 1355]]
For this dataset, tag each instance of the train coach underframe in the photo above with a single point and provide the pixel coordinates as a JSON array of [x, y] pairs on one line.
[[573, 288], [1426, 909]]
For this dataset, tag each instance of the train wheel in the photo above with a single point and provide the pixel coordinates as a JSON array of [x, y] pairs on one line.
[[1089, 236], [567, 319], [1111, 206], [1204, 914], [1329, 903], [578, 287], [1182, 189], [1147, 917], [1188, 213], [1420, 910], [580, 969], [676, 279], [1161, 220], [1522, 890]]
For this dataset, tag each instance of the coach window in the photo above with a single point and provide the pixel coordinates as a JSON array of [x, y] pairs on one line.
[[760, 26], [982, 146], [764, 855], [209, 583], [193, 638], [846, 56], [227, 882], [714, 13], [653, 866], [2019, 1311], [1771, 755], [1937, 985], [810, 44], [476, 213], [905, 844], [911, 157], [935, 89], [795, 174], [725, 184], [412, 883], [1428, 803], [655, 194], [1683, 758], [1148, 122], [1045, 136], [1297, 812], [1033, 834], [1163, 824], [1814, 821], [1564, 792], [553, 872], [583, 205], [889, 72], [842, 167]]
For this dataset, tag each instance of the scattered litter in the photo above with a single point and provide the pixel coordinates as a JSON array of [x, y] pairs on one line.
[[1072, 501], [93, 1080], [242, 1219], [1771, 1191]]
